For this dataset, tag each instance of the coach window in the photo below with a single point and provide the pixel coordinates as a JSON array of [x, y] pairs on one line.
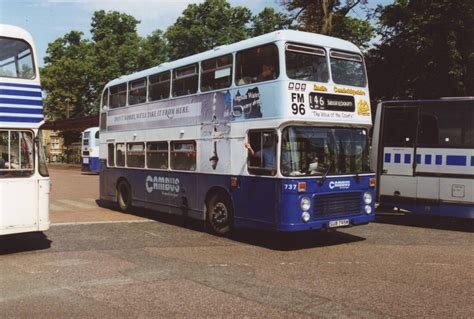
[[110, 155], [185, 80], [118, 96], [157, 155], [159, 87], [136, 155], [306, 63], [183, 156], [137, 92], [438, 128], [216, 73], [257, 65], [399, 126], [120, 154], [261, 148]]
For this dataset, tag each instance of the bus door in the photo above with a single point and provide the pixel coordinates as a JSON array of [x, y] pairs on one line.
[[397, 153]]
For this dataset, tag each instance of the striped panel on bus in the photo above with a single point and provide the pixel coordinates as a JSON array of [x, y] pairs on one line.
[[20, 103]]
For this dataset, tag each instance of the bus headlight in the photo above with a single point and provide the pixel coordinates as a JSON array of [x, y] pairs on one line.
[[305, 217], [368, 198], [305, 204], [368, 209]]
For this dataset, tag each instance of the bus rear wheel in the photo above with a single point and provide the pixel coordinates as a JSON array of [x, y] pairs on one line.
[[220, 214], [124, 196]]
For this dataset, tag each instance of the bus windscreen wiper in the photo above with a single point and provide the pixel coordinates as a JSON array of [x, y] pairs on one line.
[[323, 178]]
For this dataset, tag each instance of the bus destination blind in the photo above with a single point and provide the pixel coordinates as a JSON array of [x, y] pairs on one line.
[[331, 102]]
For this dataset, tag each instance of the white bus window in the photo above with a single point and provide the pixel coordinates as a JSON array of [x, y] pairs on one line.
[[216, 73], [157, 155], [183, 156], [118, 96], [137, 92], [16, 153], [16, 59], [257, 65], [136, 155], [110, 155], [348, 69], [159, 87], [105, 98], [262, 152], [120, 154], [85, 138], [185, 80], [306, 63], [439, 128], [399, 126]]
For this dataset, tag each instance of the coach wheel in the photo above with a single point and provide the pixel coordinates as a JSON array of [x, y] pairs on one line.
[[220, 214], [124, 196]]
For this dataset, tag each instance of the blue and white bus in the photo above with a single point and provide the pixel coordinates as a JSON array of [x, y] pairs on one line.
[[24, 179], [423, 153], [270, 132], [90, 150]]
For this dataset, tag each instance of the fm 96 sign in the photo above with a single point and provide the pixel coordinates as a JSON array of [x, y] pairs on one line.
[[331, 102]]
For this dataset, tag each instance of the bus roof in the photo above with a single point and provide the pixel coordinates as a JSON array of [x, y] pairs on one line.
[[11, 31], [282, 35]]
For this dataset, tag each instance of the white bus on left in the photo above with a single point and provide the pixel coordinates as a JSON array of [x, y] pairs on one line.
[[24, 179]]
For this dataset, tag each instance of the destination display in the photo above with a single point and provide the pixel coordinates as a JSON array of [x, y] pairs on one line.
[[331, 102]]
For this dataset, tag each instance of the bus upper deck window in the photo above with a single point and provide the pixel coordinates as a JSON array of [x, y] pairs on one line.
[[118, 95], [137, 92], [348, 69], [257, 65], [185, 80], [16, 59], [216, 73], [159, 87], [105, 98], [306, 63]]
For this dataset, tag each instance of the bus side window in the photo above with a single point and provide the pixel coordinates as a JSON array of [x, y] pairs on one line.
[[185, 80], [159, 86], [105, 98], [399, 126], [136, 155], [137, 92], [262, 152], [257, 65], [118, 95], [120, 154], [111, 155], [183, 156], [157, 155], [216, 73]]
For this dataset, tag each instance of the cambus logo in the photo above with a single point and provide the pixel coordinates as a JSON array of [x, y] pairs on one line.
[[339, 184], [160, 183]]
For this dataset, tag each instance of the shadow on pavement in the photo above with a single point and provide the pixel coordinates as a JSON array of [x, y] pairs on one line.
[[268, 239], [435, 222], [16, 243]]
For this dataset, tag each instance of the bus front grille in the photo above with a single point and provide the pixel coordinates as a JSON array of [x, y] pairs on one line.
[[337, 204]]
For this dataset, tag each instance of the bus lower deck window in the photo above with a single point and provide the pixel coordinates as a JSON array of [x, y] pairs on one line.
[[136, 155], [157, 155], [183, 156], [16, 153]]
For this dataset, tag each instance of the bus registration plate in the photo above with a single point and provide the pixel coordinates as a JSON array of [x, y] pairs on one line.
[[85, 160], [338, 223]]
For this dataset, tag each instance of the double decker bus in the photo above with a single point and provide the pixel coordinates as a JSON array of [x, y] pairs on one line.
[[269, 133], [90, 150], [423, 154], [24, 179]]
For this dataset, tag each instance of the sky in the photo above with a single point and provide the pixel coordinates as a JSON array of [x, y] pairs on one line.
[[48, 20]]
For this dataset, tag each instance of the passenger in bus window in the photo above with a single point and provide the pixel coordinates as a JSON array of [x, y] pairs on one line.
[[266, 153], [268, 73]]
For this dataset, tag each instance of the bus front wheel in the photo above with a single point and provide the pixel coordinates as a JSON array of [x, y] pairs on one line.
[[124, 196], [220, 214]]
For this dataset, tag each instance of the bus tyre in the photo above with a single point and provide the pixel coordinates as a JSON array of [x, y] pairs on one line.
[[220, 214], [124, 196]]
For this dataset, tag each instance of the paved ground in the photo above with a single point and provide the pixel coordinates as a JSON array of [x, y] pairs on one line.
[[132, 266]]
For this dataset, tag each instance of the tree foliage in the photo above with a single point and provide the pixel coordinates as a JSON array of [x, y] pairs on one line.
[[426, 50], [205, 26], [268, 21]]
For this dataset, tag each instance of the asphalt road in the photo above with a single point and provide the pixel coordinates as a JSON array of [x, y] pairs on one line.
[[153, 265]]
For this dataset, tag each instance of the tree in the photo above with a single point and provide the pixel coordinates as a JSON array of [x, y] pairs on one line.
[[268, 20], [426, 50], [205, 26], [330, 17], [67, 74]]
